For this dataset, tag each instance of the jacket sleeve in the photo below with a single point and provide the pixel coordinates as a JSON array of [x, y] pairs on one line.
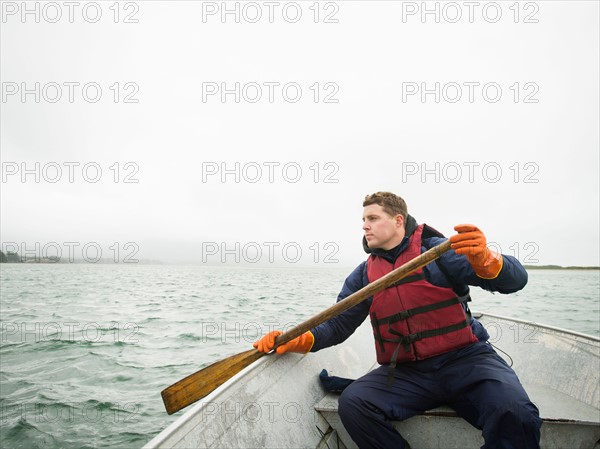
[[340, 327], [511, 278]]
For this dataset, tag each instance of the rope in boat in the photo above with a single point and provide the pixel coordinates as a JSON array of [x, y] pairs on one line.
[[503, 352], [325, 434]]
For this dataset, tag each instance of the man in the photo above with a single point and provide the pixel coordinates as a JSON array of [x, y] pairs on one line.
[[431, 351]]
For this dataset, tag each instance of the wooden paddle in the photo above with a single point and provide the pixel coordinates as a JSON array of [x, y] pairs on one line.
[[195, 386]]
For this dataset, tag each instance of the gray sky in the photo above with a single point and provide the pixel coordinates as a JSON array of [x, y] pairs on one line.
[[254, 135]]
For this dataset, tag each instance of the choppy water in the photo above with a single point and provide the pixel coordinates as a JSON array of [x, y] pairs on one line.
[[86, 349]]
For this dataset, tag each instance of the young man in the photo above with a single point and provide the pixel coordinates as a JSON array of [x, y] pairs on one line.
[[430, 349]]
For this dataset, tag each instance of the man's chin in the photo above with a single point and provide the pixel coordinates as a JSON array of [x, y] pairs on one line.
[[372, 243]]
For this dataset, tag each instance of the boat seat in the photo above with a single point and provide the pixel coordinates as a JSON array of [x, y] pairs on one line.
[[567, 422]]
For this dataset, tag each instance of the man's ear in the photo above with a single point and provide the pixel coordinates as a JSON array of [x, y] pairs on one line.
[[399, 220]]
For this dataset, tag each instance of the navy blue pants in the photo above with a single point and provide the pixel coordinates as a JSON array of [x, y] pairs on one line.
[[474, 381]]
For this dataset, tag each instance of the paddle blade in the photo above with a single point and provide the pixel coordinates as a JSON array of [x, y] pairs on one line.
[[195, 386]]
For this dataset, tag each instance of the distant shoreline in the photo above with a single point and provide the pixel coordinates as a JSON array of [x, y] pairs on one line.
[[558, 267], [157, 262], [12, 258]]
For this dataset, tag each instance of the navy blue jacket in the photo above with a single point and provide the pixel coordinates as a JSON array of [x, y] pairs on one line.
[[511, 278]]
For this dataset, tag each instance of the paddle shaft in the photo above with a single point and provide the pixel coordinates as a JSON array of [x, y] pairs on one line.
[[199, 384], [365, 292]]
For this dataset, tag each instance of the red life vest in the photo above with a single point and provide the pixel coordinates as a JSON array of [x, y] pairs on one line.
[[414, 319]]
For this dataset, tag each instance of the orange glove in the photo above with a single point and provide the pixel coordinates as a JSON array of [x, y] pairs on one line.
[[471, 242], [301, 344]]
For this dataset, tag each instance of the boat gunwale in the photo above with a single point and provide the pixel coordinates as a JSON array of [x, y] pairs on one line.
[[477, 315]]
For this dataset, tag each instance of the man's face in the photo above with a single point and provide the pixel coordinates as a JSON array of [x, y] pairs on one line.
[[381, 229]]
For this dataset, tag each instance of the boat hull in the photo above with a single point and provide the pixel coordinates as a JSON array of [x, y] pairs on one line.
[[278, 401]]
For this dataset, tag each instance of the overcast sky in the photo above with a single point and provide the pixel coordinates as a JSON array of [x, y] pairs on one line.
[[253, 130]]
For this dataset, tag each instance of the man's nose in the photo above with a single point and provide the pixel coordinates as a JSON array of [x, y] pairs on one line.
[[365, 226]]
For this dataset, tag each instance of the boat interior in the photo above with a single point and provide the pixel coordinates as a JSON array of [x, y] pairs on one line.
[[279, 402], [553, 367]]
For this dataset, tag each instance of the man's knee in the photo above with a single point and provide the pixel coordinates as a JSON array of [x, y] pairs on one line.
[[349, 404], [514, 421], [515, 410], [523, 414]]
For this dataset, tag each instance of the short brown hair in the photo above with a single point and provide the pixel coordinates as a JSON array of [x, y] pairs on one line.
[[392, 204]]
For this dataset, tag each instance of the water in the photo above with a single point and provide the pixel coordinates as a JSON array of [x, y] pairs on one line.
[[86, 349]]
